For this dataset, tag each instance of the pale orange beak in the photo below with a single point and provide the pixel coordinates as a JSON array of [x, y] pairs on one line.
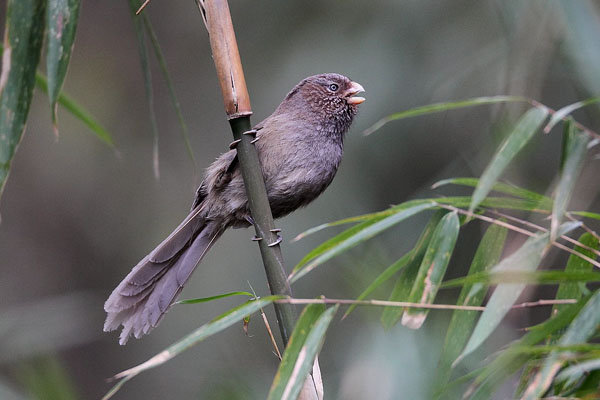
[[354, 88]]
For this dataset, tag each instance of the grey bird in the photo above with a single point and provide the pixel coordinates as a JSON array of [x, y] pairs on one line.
[[299, 147]]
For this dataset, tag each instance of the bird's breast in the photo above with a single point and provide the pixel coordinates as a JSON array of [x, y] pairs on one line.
[[305, 167]]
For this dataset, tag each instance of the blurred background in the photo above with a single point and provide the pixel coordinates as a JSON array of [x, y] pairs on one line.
[[76, 215]]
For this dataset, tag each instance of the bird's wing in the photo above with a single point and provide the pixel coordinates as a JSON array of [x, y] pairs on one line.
[[218, 175], [220, 172]]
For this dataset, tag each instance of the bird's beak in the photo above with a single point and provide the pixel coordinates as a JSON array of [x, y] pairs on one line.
[[354, 88]]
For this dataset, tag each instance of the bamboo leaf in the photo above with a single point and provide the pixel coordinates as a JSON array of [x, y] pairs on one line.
[[328, 244], [23, 37], [145, 62], [579, 266], [586, 214], [534, 277], [548, 348], [382, 278], [366, 232], [576, 147], [391, 315], [500, 188], [162, 63], [45, 378], [456, 201], [441, 107], [77, 111], [211, 298], [487, 255], [526, 258], [432, 269], [304, 345], [579, 331], [565, 111], [62, 17], [575, 372], [521, 134], [509, 362], [223, 321]]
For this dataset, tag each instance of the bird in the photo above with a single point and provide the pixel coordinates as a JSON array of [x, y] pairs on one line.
[[299, 148]]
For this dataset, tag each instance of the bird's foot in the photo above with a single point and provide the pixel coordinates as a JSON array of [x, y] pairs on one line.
[[279, 238], [234, 144], [252, 132]]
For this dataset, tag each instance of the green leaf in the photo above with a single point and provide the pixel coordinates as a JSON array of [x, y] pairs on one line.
[[61, 18], [497, 202], [162, 63], [533, 277], [575, 372], [218, 324], [432, 269], [391, 315], [487, 255], [577, 265], [211, 298], [77, 111], [545, 349], [441, 107], [343, 243], [134, 5], [527, 258], [563, 112], [575, 149], [586, 214], [382, 278], [304, 345], [45, 378], [509, 362], [456, 201], [579, 331], [521, 134], [500, 187], [23, 37], [328, 244]]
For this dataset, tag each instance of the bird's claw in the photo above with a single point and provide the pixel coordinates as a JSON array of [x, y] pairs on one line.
[[234, 144], [279, 238], [252, 132], [256, 239], [276, 242]]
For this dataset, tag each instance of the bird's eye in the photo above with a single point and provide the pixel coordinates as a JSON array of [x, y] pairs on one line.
[[334, 87]]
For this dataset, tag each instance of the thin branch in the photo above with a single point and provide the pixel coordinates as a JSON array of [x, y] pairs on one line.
[[542, 229], [268, 326], [386, 303], [577, 124], [583, 226], [519, 230], [487, 219]]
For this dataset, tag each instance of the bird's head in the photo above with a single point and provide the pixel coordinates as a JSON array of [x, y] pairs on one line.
[[329, 97]]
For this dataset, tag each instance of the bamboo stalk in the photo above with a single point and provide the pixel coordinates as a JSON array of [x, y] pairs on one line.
[[237, 106]]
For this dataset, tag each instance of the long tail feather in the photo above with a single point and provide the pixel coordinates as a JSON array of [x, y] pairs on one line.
[[144, 296]]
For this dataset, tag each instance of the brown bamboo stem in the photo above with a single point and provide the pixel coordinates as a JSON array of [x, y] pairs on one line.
[[237, 106]]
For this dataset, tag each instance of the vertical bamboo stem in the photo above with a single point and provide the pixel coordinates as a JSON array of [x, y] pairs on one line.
[[237, 106]]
